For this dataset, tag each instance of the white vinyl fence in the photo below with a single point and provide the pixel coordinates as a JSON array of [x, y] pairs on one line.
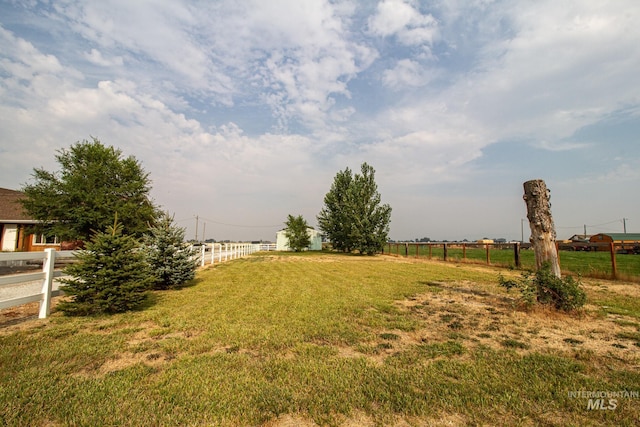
[[18, 289], [23, 288], [211, 253]]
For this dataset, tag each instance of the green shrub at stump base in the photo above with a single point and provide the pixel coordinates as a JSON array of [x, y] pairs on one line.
[[544, 287]]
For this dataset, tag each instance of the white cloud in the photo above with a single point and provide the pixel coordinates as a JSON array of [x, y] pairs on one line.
[[260, 103], [561, 146], [95, 57], [401, 19], [408, 73]]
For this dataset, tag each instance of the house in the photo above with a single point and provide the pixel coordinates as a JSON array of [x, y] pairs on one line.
[[282, 243], [14, 224]]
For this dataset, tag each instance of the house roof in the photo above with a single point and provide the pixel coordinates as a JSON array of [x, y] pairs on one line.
[[10, 208], [580, 237]]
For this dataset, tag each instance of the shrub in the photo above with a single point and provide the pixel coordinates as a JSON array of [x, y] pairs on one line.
[[546, 288], [172, 264], [111, 275]]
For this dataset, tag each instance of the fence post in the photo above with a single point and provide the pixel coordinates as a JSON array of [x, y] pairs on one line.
[[614, 267], [202, 254], [516, 254], [430, 250], [444, 250], [47, 284], [488, 256], [464, 251]]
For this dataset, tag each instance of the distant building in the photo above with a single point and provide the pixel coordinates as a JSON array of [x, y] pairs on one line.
[[629, 241], [580, 238], [615, 238], [484, 241], [282, 243]]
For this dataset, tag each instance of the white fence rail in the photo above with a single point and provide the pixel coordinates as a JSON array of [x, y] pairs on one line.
[[18, 289], [211, 253]]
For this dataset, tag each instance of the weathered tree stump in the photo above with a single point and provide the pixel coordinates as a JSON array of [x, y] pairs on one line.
[[543, 233]]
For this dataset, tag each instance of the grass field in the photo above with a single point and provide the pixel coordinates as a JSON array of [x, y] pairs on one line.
[[322, 339], [592, 264]]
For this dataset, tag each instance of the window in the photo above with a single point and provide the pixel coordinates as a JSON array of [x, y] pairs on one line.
[[41, 239]]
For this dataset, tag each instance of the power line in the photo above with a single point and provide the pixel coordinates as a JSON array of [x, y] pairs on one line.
[[197, 217], [595, 225]]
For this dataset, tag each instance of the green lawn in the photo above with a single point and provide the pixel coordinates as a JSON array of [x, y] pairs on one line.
[[323, 339]]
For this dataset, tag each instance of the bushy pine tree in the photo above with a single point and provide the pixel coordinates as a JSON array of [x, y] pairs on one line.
[[172, 264], [110, 276]]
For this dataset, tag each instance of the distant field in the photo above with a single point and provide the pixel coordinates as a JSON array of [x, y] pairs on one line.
[[594, 264], [324, 339]]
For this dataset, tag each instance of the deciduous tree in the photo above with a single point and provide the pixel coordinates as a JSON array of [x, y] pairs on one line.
[[297, 233], [353, 217], [334, 218], [93, 182]]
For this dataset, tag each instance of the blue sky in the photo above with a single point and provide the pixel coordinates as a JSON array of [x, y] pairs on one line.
[[243, 112]]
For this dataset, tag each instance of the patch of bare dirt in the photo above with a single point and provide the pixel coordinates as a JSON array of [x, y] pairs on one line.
[[23, 316], [475, 317], [360, 419]]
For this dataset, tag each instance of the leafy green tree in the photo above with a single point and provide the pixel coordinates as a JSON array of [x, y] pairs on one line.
[[93, 182], [171, 262], [371, 219], [110, 276], [333, 219], [353, 217], [297, 233]]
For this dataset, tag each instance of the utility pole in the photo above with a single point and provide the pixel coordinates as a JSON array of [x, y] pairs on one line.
[[196, 228], [204, 228], [624, 225], [585, 231]]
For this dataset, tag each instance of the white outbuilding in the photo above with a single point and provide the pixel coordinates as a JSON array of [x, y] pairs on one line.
[[282, 243]]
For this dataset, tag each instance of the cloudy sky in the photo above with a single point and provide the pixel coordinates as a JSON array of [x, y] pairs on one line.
[[242, 112]]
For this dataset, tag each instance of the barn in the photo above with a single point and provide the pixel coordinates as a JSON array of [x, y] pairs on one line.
[[282, 243], [629, 241]]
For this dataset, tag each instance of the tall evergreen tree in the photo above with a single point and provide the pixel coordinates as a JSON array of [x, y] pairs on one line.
[[297, 233], [93, 182], [111, 275], [171, 262], [352, 217]]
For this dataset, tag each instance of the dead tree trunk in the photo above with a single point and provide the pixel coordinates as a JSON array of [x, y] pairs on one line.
[[543, 233]]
